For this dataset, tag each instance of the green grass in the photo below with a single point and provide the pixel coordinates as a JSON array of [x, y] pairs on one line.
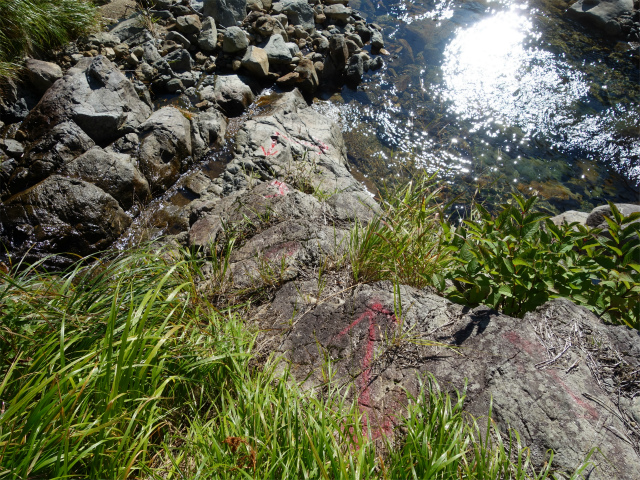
[[35, 27], [122, 369]]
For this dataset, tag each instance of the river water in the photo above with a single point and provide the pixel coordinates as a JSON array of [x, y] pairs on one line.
[[498, 96]]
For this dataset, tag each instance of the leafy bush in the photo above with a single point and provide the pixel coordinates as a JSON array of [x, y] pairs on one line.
[[518, 260], [31, 27]]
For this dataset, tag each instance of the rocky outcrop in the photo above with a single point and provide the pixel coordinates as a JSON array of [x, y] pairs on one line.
[[227, 13], [613, 17]]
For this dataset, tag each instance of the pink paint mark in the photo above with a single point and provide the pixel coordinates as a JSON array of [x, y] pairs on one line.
[[319, 147], [282, 187], [590, 409], [272, 149], [522, 344], [285, 250], [364, 398]]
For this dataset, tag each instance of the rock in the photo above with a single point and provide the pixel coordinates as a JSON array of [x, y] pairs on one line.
[[377, 42], [235, 40], [47, 155], [178, 38], [338, 50], [165, 147], [12, 148], [96, 96], [42, 74], [337, 12], [189, 24], [569, 217], [376, 63], [288, 80], [308, 78], [601, 13], [102, 39], [226, 13], [498, 361], [61, 215], [320, 44], [17, 100], [277, 50], [354, 71], [256, 61], [115, 173], [208, 38], [179, 60], [232, 93], [128, 29], [298, 12], [207, 129], [265, 25], [596, 217]]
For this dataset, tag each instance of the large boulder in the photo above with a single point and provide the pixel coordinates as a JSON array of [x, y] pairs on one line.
[[256, 61], [546, 376], [42, 74], [115, 173], [60, 215], [600, 13], [207, 130], [96, 96], [233, 94], [298, 12], [47, 155], [165, 147], [226, 13], [235, 40], [277, 50], [208, 38]]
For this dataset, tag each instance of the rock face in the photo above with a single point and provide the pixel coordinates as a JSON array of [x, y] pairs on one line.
[[232, 93], [96, 97], [61, 215], [553, 400], [226, 13], [601, 13], [42, 74]]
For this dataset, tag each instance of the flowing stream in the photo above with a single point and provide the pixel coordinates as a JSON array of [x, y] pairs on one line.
[[497, 95]]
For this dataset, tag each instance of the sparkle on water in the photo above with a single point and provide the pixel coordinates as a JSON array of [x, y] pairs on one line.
[[471, 82]]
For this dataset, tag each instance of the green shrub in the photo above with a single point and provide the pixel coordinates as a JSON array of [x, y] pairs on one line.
[[34, 27], [518, 260]]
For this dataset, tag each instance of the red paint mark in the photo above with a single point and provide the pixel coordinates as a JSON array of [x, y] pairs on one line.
[[364, 398], [272, 149], [522, 344], [285, 250], [282, 187], [318, 146], [590, 409]]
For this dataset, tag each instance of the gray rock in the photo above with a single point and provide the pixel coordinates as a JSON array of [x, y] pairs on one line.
[[16, 101], [233, 94], [165, 147], [376, 63], [61, 215], [235, 40], [293, 48], [308, 78], [103, 39], [208, 38], [277, 50], [338, 50], [256, 61], [596, 217], [115, 173], [128, 29], [178, 38], [354, 71], [569, 217], [42, 74], [377, 42], [298, 12], [12, 148], [164, 4], [47, 155], [498, 361], [179, 60], [600, 13], [207, 130], [337, 12], [189, 24], [96, 96], [226, 13]]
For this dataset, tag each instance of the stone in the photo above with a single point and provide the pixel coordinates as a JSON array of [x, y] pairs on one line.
[[61, 216], [277, 50], [354, 70], [207, 130], [377, 42], [165, 147], [596, 217], [115, 173], [16, 100], [179, 60], [178, 38], [320, 44], [174, 85], [338, 50], [189, 24], [103, 39], [337, 12], [96, 96], [208, 38], [12, 148], [376, 63], [226, 13], [233, 94], [256, 61], [599, 13], [42, 74], [298, 12], [308, 80], [126, 30], [569, 217], [255, 5], [46, 155], [235, 40]]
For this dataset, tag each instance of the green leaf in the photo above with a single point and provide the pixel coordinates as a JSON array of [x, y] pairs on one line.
[[505, 290], [521, 261]]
